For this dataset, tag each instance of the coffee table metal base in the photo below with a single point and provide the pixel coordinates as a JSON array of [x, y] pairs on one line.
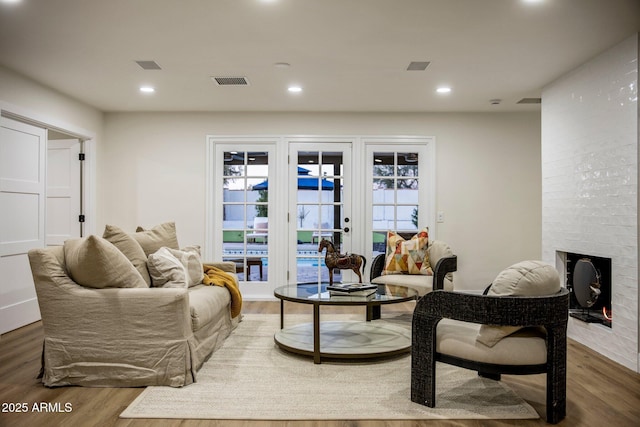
[[345, 340]]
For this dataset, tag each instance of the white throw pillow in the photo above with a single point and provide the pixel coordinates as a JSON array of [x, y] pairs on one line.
[[172, 268], [524, 279]]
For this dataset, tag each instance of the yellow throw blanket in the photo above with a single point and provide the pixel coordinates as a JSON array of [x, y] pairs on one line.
[[215, 276]]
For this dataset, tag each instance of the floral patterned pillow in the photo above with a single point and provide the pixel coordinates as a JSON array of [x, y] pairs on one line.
[[408, 256]]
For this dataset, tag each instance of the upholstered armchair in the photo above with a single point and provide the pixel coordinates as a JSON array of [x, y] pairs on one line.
[[499, 332], [442, 261]]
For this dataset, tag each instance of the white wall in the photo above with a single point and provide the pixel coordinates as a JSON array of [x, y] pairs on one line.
[[590, 185], [47, 104], [152, 169]]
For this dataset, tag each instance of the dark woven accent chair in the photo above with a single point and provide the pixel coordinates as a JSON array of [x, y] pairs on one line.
[[549, 312]]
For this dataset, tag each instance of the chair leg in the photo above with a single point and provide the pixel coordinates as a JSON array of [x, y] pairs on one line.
[[556, 396], [376, 312], [556, 374], [423, 371]]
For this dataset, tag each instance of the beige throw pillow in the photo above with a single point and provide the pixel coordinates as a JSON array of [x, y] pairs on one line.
[[171, 268], [159, 236], [525, 279], [130, 248], [96, 263]]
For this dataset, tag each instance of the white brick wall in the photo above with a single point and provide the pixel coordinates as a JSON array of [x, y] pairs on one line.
[[590, 185]]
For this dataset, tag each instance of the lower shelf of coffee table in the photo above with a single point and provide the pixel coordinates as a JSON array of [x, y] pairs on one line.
[[346, 339]]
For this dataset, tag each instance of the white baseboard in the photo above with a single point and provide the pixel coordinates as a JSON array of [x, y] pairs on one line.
[[18, 315]]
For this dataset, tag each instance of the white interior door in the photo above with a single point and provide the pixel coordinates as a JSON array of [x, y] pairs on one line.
[[63, 191], [22, 218], [320, 208]]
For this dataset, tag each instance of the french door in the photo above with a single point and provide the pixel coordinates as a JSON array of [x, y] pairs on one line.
[[320, 208], [399, 188], [273, 199], [245, 212]]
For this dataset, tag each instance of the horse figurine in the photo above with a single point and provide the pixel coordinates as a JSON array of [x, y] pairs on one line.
[[341, 261]]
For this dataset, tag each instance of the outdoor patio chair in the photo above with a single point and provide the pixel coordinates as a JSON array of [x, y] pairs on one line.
[[260, 230]]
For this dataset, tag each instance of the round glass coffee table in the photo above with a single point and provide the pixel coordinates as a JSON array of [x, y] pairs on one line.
[[343, 339]]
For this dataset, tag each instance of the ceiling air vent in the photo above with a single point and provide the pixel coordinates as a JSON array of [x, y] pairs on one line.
[[231, 81], [418, 65], [148, 65], [530, 101]]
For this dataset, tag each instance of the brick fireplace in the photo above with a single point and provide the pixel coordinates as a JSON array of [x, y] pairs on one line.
[[590, 187]]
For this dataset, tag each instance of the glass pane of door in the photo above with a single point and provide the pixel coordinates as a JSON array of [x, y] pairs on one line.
[[245, 213], [320, 210], [395, 194]]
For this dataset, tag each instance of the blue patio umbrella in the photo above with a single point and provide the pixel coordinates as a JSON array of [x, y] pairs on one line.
[[304, 182]]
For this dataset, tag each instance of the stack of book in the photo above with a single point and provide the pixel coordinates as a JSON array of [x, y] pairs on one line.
[[352, 289]]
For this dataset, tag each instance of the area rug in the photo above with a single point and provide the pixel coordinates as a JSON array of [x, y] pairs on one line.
[[250, 378]]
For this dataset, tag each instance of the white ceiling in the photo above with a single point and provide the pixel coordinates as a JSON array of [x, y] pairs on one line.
[[348, 55]]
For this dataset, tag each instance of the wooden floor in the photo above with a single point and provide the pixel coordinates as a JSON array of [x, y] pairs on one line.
[[599, 391]]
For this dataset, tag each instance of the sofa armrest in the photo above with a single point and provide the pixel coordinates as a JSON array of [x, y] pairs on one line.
[[228, 266]]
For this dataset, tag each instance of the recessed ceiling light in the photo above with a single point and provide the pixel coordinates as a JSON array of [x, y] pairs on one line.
[[294, 89], [443, 89], [147, 89]]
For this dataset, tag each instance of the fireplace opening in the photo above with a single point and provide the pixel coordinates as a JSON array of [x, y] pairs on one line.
[[589, 282]]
